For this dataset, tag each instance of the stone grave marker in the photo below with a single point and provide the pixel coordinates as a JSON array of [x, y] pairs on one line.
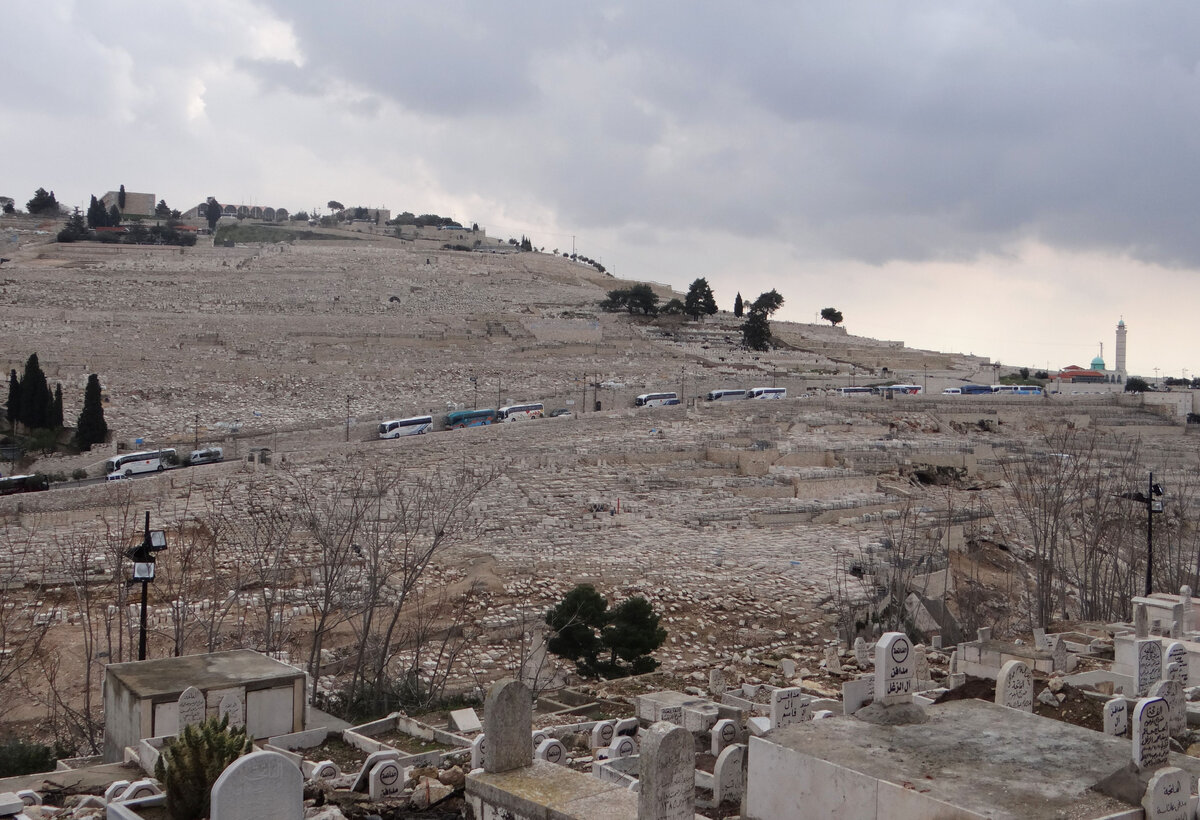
[[1174, 671], [602, 733], [1149, 664], [1185, 598], [1172, 692], [1141, 621], [465, 720], [716, 682], [856, 693], [936, 642], [139, 788], [667, 767], [1151, 733], [627, 726], [363, 782], [920, 665], [1168, 795], [538, 737], [10, 804], [1058, 654], [788, 706], [508, 720], [729, 774], [478, 748], [983, 634], [788, 667], [552, 751], [893, 669], [724, 732], [386, 781], [1116, 716], [326, 770], [29, 797], [833, 660], [1039, 638], [1014, 686], [191, 707], [231, 708], [623, 746], [671, 714], [861, 656], [114, 791], [749, 690], [821, 714], [258, 785], [1177, 653]]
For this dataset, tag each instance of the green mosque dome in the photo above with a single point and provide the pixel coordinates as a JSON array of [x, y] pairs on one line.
[[1097, 363]]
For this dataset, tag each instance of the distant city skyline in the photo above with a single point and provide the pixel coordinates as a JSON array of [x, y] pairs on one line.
[[997, 178]]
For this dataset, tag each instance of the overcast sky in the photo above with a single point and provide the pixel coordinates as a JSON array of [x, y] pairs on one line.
[[1006, 179]]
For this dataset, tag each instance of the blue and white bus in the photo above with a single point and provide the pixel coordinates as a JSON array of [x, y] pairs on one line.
[[767, 393], [469, 418], [656, 399], [415, 426], [146, 461], [521, 412], [725, 394]]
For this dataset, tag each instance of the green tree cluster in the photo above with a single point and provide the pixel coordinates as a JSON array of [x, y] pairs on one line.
[[191, 763], [756, 330], [638, 297], [43, 202], [75, 229], [602, 642], [30, 402], [1136, 384], [424, 220], [832, 315], [91, 428], [700, 300]]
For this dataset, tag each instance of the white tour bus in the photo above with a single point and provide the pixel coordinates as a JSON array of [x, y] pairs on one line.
[[724, 395], [146, 461], [520, 412], [854, 391], [656, 399], [415, 426], [904, 389], [767, 393]]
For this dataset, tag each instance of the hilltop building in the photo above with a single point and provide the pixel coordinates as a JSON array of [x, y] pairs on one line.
[[135, 204], [1097, 372]]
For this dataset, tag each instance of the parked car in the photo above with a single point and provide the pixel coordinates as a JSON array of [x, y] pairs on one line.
[[118, 476]]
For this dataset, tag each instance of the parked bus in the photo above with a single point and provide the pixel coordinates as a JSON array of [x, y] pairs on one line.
[[23, 484], [1028, 390], [725, 394], [903, 389], [855, 391], [521, 412], [469, 418], [767, 393], [975, 389], [145, 461], [415, 426], [656, 399]]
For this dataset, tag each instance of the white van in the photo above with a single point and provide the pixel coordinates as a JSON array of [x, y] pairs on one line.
[[209, 455], [952, 391]]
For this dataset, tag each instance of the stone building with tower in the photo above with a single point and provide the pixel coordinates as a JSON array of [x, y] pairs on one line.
[[1097, 371]]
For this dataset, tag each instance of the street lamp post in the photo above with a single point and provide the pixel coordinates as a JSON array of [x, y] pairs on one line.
[[143, 570], [925, 367], [475, 400], [1152, 498]]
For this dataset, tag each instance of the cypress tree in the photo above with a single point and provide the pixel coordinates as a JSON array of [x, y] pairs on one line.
[[55, 421], [737, 305], [91, 427], [121, 198], [12, 408], [114, 216], [35, 394]]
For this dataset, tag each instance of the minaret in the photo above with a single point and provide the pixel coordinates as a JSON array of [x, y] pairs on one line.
[[1120, 365]]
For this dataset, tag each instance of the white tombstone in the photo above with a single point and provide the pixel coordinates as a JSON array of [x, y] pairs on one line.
[[326, 770], [538, 737], [1149, 664], [1168, 795], [29, 797], [602, 733], [508, 719], [478, 748], [857, 693], [1014, 686], [788, 667], [465, 720], [622, 746], [667, 774], [920, 664], [231, 708], [191, 707], [729, 774], [552, 751], [363, 781], [1185, 598], [258, 785], [724, 732], [1172, 692], [386, 781], [861, 656], [893, 669], [833, 660], [1177, 653], [821, 714], [1116, 716], [1141, 621], [138, 789], [1151, 733], [114, 791], [788, 706], [627, 726]]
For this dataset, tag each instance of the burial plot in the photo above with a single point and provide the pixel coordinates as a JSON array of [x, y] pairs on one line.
[[893, 669], [1151, 733], [1014, 686], [667, 779], [258, 785]]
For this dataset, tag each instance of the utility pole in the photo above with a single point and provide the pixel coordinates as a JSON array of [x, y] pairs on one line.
[[497, 392], [347, 417], [196, 442], [925, 389]]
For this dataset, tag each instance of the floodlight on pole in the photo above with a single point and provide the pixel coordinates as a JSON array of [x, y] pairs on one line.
[[142, 557]]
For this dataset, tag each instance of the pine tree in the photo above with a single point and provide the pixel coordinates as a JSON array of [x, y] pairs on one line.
[[212, 212], [12, 408], [91, 427], [737, 305], [97, 217], [55, 420], [700, 300], [756, 330], [42, 203], [114, 216], [121, 198], [35, 394], [191, 763]]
